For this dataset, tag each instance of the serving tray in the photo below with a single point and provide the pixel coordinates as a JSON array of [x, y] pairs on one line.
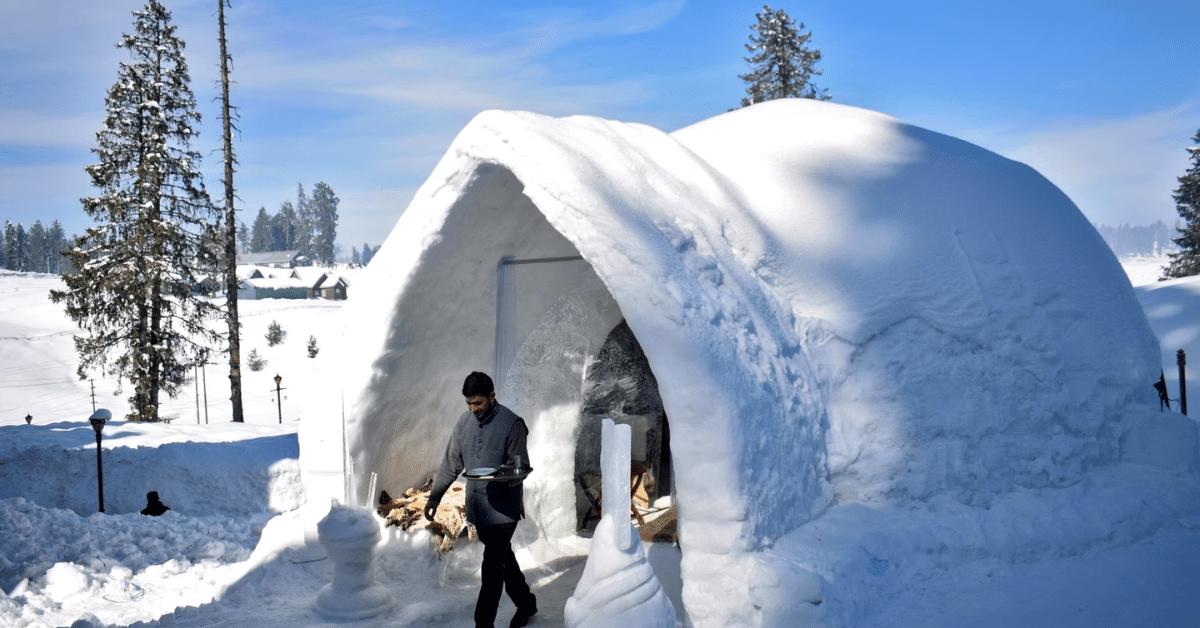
[[502, 474]]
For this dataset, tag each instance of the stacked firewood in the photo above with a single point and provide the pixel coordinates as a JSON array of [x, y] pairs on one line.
[[408, 513]]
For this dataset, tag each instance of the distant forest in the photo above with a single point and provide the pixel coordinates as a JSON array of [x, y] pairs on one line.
[[1152, 239]]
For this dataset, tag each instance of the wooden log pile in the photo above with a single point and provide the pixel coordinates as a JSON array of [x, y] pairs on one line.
[[408, 513]]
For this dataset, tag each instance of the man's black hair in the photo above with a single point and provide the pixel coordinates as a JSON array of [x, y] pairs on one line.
[[478, 384]]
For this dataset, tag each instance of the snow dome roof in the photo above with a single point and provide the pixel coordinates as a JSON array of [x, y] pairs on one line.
[[836, 306]]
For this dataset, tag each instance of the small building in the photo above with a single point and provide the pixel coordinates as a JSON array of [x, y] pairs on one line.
[[321, 282], [274, 259], [331, 287], [272, 288], [246, 290], [249, 272], [207, 286]]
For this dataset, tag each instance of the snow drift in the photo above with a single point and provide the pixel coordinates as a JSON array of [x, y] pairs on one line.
[[837, 307]]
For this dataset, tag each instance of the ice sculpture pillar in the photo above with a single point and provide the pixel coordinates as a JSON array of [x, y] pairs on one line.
[[349, 536], [618, 587]]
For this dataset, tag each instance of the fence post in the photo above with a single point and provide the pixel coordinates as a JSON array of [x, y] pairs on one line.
[[1181, 358]]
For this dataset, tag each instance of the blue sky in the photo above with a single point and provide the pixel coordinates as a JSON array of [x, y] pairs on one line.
[[366, 95]]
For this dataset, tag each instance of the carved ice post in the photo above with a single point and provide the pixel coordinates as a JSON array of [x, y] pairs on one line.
[[615, 445], [618, 586], [349, 536]]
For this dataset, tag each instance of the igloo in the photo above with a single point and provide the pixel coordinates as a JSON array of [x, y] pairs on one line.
[[824, 306]]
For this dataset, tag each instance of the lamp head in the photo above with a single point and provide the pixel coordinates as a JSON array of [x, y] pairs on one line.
[[28, 419], [278, 379], [99, 418]]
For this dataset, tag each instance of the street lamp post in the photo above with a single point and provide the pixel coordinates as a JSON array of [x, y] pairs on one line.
[[278, 397], [98, 419]]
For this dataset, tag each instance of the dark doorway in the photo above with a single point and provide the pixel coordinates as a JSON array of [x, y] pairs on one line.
[[619, 385]]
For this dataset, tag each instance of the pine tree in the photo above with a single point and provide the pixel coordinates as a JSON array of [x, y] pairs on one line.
[[303, 240], [38, 248], [288, 225], [782, 66], [255, 361], [132, 293], [324, 204], [23, 253], [243, 238], [274, 334], [313, 350], [57, 243], [10, 246], [260, 233], [1186, 262], [368, 253]]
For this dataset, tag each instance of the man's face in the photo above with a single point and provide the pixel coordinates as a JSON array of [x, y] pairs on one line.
[[481, 406]]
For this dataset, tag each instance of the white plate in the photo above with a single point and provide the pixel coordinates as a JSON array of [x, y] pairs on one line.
[[482, 471]]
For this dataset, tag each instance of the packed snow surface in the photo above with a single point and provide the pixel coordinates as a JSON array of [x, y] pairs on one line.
[[957, 425]]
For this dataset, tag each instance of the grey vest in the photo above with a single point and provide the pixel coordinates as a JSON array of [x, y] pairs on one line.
[[494, 441]]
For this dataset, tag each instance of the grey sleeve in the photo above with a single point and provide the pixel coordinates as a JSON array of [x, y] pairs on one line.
[[452, 465], [517, 444]]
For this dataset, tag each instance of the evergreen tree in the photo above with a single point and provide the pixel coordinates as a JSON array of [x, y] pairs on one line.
[[278, 240], [274, 334], [303, 239], [243, 238], [368, 253], [10, 246], [324, 205], [39, 251], [782, 66], [132, 293], [260, 233], [66, 264], [255, 361], [288, 228], [4, 246], [1186, 262], [355, 259], [56, 242], [21, 260]]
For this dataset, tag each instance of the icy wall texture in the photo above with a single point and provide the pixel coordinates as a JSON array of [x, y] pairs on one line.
[[971, 330]]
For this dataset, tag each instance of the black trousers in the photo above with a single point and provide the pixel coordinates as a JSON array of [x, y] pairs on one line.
[[500, 573]]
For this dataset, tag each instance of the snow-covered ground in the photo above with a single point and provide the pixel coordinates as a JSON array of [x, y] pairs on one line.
[[240, 545]]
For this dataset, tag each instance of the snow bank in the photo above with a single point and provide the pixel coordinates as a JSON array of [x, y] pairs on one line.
[[224, 470], [56, 566], [839, 308]]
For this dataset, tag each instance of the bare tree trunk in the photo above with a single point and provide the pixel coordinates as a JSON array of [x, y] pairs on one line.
[[231, 282]]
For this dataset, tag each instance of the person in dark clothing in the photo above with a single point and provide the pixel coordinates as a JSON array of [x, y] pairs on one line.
[[489, 435], [154, 507]]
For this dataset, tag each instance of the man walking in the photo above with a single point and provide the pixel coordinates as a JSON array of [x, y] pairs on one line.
[[489, 435]]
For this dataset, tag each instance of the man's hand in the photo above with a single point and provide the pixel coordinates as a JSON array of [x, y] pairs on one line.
[[431, 510]]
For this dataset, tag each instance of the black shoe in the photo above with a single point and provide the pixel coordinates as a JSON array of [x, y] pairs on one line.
[[523, 613]]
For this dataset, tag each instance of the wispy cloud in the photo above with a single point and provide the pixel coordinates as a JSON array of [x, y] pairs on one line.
[[1116, 170], [36, 128], [469, 72]]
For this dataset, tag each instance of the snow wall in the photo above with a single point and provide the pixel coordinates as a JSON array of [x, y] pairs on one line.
[[838, 307]]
